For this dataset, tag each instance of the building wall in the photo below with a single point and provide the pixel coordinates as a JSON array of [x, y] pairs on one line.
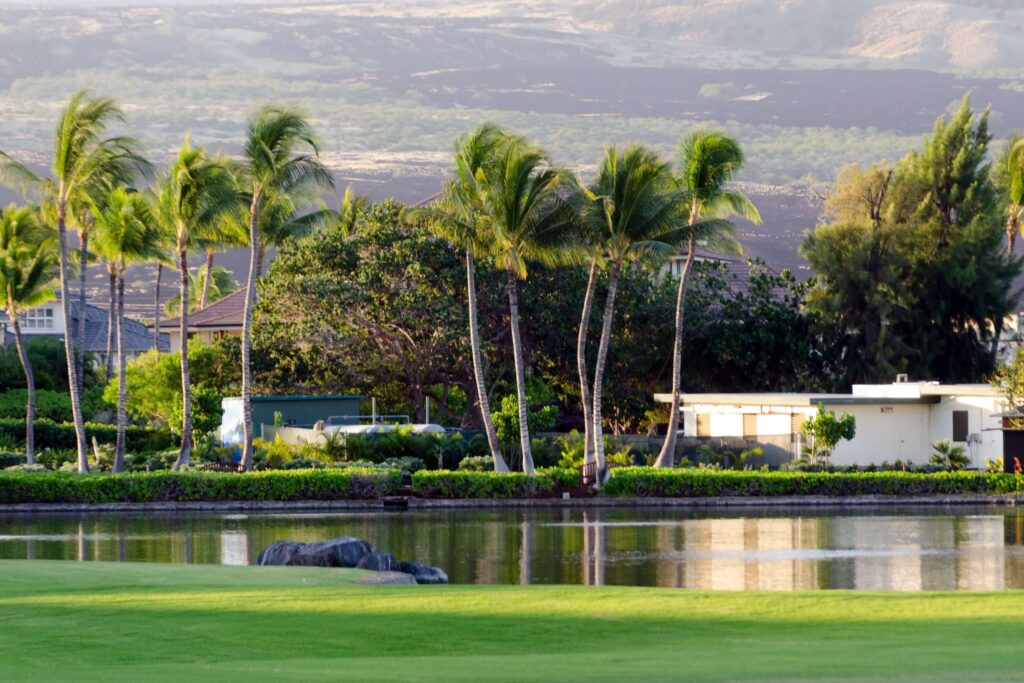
[[981, 421], [885, 433], [297, 411], [46, 320]]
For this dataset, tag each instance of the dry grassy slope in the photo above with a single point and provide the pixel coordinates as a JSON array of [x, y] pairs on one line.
[[930, 34]]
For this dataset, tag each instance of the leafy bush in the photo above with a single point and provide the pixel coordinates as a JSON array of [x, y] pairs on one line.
[[405, 464], [690, 483], [324, 484], [477, 463], [11, 459], [949, 456], [50, 434], [465, 484]]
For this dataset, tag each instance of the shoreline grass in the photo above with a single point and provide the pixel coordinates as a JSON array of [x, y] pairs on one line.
[[104, 621]]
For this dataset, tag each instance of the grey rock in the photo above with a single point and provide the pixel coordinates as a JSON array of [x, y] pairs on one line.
[[395, 578], [379, 562], [345, 551], [423, 573], [281, 553]]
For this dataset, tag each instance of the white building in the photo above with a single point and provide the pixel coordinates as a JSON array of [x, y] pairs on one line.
[[894, 421]]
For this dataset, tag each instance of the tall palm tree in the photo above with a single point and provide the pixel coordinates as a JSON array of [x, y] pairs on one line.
[[281, 158], [1014, 188], [457, 218], [708, 161], [166, 239], [82, 159], [193, 196], [630, 212], [527, 220], [124, 232], [28, 267]]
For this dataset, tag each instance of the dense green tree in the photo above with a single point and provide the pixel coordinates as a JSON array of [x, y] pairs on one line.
[[28, 267], [381, 311], [915, 276], [153, 386]]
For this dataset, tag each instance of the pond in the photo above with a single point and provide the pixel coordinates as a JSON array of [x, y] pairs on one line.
[[787, 549]]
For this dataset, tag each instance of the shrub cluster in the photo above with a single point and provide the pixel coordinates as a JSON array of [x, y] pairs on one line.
[[57, 435], [469, 484], [145, 487], [693, 483]]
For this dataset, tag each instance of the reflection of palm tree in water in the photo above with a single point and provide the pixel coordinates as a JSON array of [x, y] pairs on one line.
[[525, 549], [593, 549]]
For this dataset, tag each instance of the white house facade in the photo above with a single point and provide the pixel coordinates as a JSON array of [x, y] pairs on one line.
[[894, 421]]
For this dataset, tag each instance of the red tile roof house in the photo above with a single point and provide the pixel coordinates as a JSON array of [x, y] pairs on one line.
[[222, 318]]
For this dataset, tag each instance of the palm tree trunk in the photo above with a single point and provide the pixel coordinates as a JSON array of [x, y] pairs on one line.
[[156, 307], [602, 355], [83, 259], [122, 390], [250, 296], [30, 384], [581, 363], [260, 255], [205, 296], [69, 341], [185, 454], [517, 351], [1011, 231], [478, 369], [667, 456], [110, 324]]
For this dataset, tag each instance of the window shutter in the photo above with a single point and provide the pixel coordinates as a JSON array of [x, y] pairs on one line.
[[749, 426], [959, 425], [703, 424]]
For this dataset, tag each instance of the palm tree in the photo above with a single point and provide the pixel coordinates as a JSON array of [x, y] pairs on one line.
[[28, 266], [457, 219], [709, 159], [281, 159], [527, 220], [1012, 172], [125, 232], [348, 213], [82, 159], [193, 196], [227, 233], [630, 211]]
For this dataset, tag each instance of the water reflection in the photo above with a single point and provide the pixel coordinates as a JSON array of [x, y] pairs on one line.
[[773, 550]]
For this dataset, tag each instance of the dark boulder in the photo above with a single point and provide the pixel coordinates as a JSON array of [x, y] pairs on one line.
[[379, 562], [346, 551], [281, 553], [423, 573]]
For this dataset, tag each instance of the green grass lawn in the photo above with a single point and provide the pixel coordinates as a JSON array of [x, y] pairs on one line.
[[69, 621]]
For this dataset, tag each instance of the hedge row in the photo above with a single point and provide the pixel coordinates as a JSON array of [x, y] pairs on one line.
[[146, 487], [467, 484], [60, 435], [698, 483]]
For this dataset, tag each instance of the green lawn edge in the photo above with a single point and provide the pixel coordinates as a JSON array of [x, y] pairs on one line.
[[89, 621]]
